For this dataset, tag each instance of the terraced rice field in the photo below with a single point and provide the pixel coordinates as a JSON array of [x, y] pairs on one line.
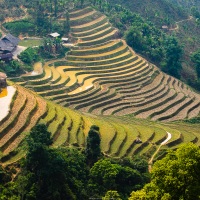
[[103, 76], [69, 127], [23, 115], [106, 83]]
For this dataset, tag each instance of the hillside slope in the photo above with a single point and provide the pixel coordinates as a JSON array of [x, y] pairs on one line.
[[160, 12], [186, 4], [103, 76], [181, 22], [68, 127]]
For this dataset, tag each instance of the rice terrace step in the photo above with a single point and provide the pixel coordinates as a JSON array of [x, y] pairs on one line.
[[101, 81]]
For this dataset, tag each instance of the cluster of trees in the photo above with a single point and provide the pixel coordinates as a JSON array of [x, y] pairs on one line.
[[13, 68], [195, 58], [52, 47], [45, 14], [159, 48], [190, 6], [29, 56], [11, 9], [160, 12], [68, 173], [16, 67], [175, 177], [22, 26], [195, 12]]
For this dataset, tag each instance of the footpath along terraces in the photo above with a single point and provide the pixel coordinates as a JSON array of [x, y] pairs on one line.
[[103, 76], [69, 127]]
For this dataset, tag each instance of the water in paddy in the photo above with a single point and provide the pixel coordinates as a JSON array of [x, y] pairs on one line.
[[3, 92]]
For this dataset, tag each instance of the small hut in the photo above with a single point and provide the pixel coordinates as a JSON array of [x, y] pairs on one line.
[[3, 83], [65, 40], [8, 45], [165, 28], [54, 35]]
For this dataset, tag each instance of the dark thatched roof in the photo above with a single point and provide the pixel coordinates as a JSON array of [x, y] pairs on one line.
[[7, 55], [8, 43], [6, 46], [11, 39]]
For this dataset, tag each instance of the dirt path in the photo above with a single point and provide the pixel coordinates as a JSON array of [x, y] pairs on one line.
[[18, 51], [177, 26], [169, 135]]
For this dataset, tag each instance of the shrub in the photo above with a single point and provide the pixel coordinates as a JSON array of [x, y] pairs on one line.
[[29, 56], [18, 27]]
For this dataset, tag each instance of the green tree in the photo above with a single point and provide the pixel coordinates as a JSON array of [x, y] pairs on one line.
[[134, 38], [12, 68], [4, 176], [175, 176], [82, 2], [138, 163], [105, 175], [195, 12], [111, 194], [66, 23], [15, 65], [173, 53], [138, 195], [45, 167], [76, 171], [29, 56], [195, 57], [93, 150]]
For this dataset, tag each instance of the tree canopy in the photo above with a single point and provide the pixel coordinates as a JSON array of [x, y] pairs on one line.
[[105, 175], [175, 177], [93, 150], [195, 57]]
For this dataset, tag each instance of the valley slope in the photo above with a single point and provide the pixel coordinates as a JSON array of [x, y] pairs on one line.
[[101, 75]]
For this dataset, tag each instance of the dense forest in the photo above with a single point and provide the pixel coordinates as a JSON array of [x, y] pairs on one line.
[[68, 173], [160, 12]]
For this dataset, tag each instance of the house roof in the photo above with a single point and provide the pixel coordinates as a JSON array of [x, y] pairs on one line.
[[7, 55], [6, 46], [65, 39], [8, 43], [54, 34], [11, 39]]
